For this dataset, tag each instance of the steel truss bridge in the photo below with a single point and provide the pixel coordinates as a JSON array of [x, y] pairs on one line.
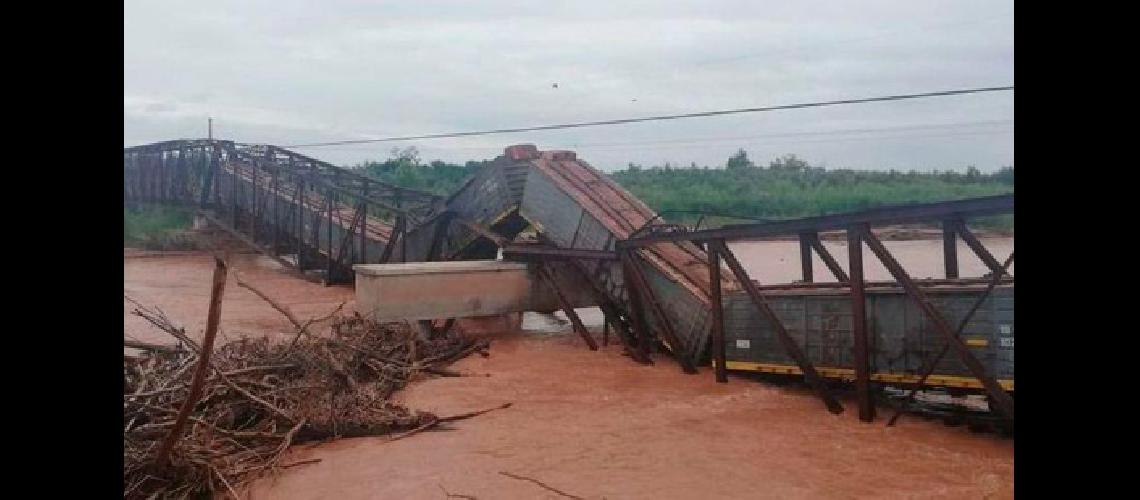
[[661, 286]]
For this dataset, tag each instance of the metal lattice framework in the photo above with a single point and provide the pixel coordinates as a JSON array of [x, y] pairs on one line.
[[280, 201], [857, 225], [329, 218]]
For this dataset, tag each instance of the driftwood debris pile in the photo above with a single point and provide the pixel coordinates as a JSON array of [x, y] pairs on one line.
[[200, 420]]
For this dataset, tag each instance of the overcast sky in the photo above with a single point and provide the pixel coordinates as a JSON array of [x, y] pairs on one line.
[[284, 72]]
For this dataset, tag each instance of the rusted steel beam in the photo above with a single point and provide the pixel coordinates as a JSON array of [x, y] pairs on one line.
[[980, 250], [950, 246], [397, 231], [548, 276], [300, 220], [1000, 398], [666, 326], [162, 176], [346, 240], [927, 282], [860, 343], [543, 252], [481, 230], [605, 329], [364, 227], [805, 258], [253, 208], [624, 333], [613, 315], [885, 215], [328, 254], [330, 180], [718, 347], [828, 259], [173, 144], [810, 375], [215, 166], [178, 187], [636, 313], [404, 241], [438, 235], [928, 370], [396, 198], [234, 195], [349, 176], [315, 244], [276, 216]]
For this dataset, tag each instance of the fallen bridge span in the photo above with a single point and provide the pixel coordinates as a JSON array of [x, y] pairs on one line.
[[661, 287]]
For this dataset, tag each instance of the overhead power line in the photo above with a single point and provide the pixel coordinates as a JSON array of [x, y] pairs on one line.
[[824, 133], [663, 117], [722, 138]]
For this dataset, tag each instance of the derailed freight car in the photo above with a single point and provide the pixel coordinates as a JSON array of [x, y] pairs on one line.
[[902, 339], [574, 206]]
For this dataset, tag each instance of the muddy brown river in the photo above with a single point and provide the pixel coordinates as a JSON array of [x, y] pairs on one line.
[[595, 424]]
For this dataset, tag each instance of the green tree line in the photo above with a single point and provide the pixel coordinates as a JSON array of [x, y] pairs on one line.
[[787, 187]]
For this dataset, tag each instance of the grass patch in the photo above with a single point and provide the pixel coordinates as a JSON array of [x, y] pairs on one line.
[[156, 227]]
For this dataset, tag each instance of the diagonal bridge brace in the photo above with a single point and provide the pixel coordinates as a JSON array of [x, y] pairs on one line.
[[928, 370], [1002, 400], [642, 289], [547, 275], [793, 350]]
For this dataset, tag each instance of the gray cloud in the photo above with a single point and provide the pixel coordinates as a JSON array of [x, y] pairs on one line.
[[289, 72]]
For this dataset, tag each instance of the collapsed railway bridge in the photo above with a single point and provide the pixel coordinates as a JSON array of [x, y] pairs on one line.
[[662, 287]]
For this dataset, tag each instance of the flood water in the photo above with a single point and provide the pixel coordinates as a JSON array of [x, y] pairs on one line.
[[595, 424]]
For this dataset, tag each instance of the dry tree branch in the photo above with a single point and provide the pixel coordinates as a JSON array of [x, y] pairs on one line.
[[455, 495], [212, 319], [436, 421], [540, 483], [301, 328], [158, 318], [228, 439]]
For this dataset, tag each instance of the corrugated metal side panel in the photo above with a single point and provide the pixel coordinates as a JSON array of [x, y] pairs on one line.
[[901, 337], [493, 192], [559, 218], [592, 235], [554, 214], [1003, 334], [418, 243], [515, 175], [689, 317], [486, 197]]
